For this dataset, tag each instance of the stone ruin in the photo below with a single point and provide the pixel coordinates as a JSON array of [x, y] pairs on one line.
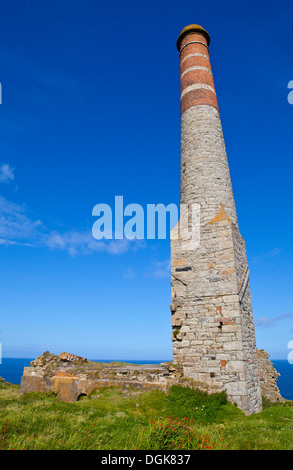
[[71, 377], [268, 377]]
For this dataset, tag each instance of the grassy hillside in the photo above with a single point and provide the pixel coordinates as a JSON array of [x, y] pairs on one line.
[[114, 418]]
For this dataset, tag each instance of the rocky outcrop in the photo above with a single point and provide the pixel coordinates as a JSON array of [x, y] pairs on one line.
[[64, 356], [268, 377]]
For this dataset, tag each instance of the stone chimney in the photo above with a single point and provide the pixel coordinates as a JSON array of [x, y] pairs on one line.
[[213, 331], [205, 180]]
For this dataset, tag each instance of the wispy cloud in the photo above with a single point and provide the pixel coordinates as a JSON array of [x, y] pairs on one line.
[[129, 274], [17, 228], [160, 269], [269, 322], [6, 173], [270, 254], [83, 243]]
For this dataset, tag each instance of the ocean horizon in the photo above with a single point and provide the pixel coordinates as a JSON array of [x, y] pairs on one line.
[[11, 370]]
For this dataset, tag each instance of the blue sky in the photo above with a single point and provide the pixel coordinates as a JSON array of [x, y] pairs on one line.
[[90, 110]]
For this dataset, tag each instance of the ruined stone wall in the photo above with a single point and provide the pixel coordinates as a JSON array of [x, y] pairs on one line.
[[71, 376], [268, 377]]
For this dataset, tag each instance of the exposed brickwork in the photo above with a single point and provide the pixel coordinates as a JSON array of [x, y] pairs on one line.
[[194, 38], [193, 47], [195, 69], [194, 61], [197, 76], [191, 29], [197, 97]]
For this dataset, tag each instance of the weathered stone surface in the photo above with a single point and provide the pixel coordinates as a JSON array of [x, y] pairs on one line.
[[46, 359], [70, 379], [268, 377], [64, 356]]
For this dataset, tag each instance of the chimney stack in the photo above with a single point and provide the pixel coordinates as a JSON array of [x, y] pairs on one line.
[[212, 321]]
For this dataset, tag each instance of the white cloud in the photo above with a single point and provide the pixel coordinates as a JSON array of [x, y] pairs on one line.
[[6, 173], [129, 274], [160, 269], [16, 228], [83, 243], [269, 322], [270, 254]]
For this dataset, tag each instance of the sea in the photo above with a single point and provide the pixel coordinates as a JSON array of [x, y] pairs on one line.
[[11, 370]]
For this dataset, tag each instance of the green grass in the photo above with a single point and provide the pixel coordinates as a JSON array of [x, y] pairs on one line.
[[114, 418]]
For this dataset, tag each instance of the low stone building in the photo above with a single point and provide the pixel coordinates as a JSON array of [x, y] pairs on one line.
[[71, 376]]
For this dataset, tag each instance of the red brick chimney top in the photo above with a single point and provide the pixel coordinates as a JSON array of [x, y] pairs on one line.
[[192, 28]]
